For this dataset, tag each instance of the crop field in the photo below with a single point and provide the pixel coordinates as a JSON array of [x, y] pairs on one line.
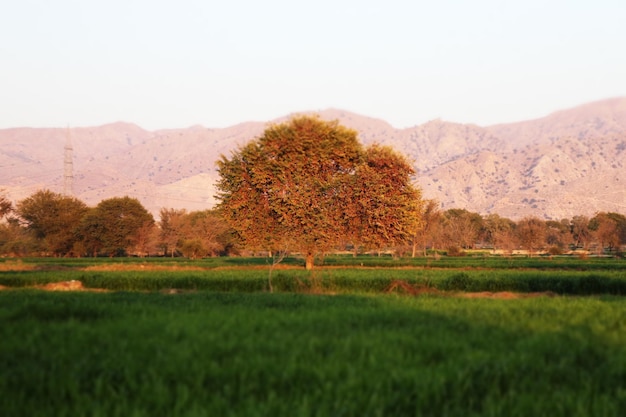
[[356, 337]]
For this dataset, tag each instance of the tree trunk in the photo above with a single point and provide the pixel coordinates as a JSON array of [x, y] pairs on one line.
[[310, 257]]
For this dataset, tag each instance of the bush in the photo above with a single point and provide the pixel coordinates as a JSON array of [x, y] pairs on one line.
[[455, 251], [555, 250]]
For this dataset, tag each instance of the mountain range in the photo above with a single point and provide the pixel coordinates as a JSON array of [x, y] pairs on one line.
[[568, 163]]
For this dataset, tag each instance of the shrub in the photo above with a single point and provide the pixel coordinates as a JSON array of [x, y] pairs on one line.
[[455, 251]]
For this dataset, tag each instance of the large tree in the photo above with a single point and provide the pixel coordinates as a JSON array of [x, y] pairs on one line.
[[581, 233], [172, 227], [499, 232], [461, 228], [531, 233], [609, 230], [306, 184], [53, 218], [115, 226]]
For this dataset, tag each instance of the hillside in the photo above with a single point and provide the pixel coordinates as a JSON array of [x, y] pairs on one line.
[[567, 163]]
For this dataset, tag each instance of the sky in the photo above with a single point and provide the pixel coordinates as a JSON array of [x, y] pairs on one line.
[[173, 64]]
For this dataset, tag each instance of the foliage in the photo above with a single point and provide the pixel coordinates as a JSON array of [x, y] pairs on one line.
[[53, 218], [17, 241], [531, 233], [141, 354], [195, 235], [367, 218], [306, 185], [171, 229], [114, 226], [461, 228], [580, 231], [499, 232], [609, 229], [206, 234], [426, 230], [6, 206], [383, 208]]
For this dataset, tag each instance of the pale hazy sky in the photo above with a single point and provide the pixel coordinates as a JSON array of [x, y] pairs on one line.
[[167, 64]]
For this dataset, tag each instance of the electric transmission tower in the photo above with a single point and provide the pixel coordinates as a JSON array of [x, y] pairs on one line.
[[68, 165]]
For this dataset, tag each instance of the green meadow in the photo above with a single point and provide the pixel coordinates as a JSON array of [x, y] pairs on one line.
[[206, 338]]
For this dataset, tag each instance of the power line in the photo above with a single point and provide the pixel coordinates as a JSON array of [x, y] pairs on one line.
[[68, 165]]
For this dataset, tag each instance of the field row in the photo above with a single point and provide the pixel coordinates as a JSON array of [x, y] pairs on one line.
[[483, 261], [332, 280]]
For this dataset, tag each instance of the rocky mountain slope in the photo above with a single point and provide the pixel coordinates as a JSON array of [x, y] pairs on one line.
[[568, 163]]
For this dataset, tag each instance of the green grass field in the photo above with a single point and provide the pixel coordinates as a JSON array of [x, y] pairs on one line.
[[343, 274], [220, 350]]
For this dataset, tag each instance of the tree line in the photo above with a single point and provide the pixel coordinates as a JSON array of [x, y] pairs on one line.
[[458, 230], [305, 186], [51, 224]]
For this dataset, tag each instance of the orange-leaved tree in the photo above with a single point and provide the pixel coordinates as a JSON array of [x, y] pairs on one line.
[[385, 207], [305, 185]]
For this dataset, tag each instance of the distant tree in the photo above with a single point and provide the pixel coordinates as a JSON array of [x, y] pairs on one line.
[[90, 233], [606, 230], [206, 233], [427, 231], [146, 240], [620, 221], [172, 225], [195, 234], [499, 232], [114, 226], [581, 233], [16, 240], [531, 233], [53, 218], [461, 228], [558, 235], [6, 206]]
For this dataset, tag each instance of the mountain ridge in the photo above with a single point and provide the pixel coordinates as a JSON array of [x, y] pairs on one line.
[[567, 163]]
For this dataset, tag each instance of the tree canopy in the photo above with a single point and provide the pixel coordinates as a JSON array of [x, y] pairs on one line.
[[114, 225], [52, 217], [195, 234], [308, 184]]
